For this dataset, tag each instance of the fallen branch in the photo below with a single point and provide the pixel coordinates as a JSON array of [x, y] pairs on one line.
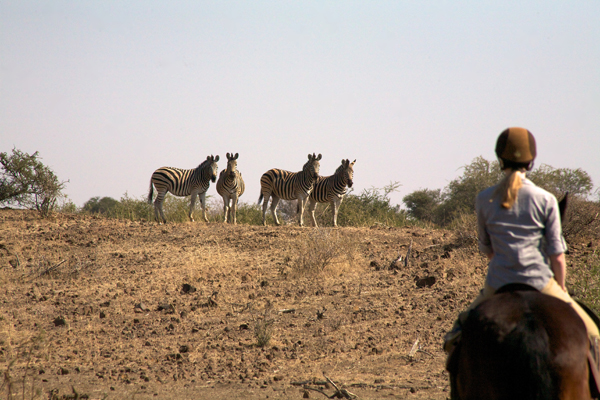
[[426, 352], [339, 393], [48, 270]]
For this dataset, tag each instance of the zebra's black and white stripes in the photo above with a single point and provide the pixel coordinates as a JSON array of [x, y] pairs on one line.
[[331, 189], [183, 182], [279, 184], [230, 186]]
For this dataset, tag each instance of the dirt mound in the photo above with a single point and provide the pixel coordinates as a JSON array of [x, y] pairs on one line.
[[117, 309]]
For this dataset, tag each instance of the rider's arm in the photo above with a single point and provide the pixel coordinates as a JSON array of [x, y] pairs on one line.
[[559, 267]]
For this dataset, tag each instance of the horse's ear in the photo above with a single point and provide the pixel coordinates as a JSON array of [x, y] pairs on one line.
[[236, 156], [217, 158], [562, 206]]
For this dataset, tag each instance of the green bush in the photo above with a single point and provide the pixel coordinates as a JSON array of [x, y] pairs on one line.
[[132, 209], [422, 205], [250, 214], [561, 180], [26, 182], [370, 208], [97, 205], [458, 197]]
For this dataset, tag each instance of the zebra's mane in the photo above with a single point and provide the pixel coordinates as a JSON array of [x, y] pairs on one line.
[[339, 169], [204, 163]]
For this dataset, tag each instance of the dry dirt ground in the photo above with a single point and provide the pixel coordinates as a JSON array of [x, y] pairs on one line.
[[117, 309]]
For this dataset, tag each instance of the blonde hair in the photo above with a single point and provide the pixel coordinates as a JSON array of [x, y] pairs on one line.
[[509, 188]]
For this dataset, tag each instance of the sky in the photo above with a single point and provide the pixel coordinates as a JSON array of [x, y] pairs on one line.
[[109, 91]]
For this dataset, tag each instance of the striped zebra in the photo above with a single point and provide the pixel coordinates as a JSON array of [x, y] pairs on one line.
[[230, 186], [331, 189], [279, 184], [183, 182]]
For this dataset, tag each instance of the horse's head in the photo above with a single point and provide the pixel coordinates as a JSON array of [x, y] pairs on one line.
[[562, 207]]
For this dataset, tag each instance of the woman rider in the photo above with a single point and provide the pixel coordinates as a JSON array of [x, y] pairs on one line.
[[520, 232]]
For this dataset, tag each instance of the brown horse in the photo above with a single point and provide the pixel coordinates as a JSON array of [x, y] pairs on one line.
[[521, 345]]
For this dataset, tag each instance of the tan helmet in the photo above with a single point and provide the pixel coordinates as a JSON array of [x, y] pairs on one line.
[[516, 148]]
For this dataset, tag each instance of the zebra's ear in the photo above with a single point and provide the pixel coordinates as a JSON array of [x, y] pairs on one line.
[[227, 155], [236, 156], [217, 158], [353, 161], [208, 158], [309, 156], [318, 157]]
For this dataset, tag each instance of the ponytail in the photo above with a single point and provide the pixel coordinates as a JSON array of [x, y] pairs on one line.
[[509, 188]]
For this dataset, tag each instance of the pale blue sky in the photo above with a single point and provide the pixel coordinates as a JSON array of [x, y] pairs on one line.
[[108, 91]]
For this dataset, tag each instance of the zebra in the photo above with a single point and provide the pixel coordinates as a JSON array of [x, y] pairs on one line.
[[230, 186], [280, 184], [183, 182], [331, 189]]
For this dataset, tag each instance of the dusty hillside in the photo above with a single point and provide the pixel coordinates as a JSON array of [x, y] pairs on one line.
[[120, 309]]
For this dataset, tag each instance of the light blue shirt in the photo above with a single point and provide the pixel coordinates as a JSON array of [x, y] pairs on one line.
[[521, 237]]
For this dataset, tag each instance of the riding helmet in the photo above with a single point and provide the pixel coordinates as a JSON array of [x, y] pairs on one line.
[[516, 146]]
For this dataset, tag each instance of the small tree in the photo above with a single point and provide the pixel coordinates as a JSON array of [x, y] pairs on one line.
[[422, 204], [97, 205], [28, 183], [459, 196], [560, 180]]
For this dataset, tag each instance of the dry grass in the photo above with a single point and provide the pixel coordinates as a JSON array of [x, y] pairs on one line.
[[320, 250]]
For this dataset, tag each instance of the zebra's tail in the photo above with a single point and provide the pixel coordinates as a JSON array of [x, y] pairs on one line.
[[150, 193], [260, 198]]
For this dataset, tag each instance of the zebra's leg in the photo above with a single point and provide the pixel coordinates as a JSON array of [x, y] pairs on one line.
[[233, 209], [203, 205], [265, 206], [192, 203], [335, 204], [312, 205], [301, 204], [225, 208], [158, 208], [274, 202]]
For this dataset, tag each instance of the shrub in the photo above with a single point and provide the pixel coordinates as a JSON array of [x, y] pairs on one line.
[[584, 280], [444, 206], [422, 204], [132, 209], [97, 205], [582, 218], [250, 214], [263, 329], [26, 182], [459, 196], [560, 180], [370, 208], [318, 249]]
